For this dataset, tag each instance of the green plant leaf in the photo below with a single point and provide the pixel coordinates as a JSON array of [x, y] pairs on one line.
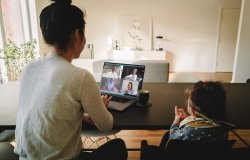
[[16, 56]]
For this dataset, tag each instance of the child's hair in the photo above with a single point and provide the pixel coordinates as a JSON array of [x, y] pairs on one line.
[[208, 98], [59, 20], [248, 80]]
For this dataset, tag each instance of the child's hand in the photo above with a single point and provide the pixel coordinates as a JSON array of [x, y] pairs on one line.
[[180, 114]]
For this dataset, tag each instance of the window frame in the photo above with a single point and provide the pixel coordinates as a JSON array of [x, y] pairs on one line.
[[27, 10]]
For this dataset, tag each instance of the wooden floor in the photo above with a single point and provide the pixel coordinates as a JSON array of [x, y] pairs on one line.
[[133, 138]]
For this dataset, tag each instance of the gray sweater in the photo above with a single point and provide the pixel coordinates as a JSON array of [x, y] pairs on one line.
[[53, 97]]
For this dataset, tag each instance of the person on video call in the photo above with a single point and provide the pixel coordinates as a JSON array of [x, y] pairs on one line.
[[113, 73], [110, 86], [55, 96], [133, 76], [129, 90]]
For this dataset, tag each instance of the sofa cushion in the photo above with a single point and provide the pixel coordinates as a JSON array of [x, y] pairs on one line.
[[156, 70]]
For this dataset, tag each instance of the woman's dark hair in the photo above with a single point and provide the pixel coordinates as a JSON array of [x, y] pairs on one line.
[[209, 98], [59, 20], [131, 84]]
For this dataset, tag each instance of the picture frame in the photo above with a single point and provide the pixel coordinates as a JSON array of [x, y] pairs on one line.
[[135, 32]]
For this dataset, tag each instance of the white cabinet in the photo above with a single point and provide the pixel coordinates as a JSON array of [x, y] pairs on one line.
[[138, 55]]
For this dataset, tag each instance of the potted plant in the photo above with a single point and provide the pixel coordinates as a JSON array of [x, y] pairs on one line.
[[16, 56]]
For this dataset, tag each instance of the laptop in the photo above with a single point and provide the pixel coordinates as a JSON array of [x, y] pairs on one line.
[[122, 82]]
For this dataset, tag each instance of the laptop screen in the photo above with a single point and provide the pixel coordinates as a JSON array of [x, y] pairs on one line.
[[121, 79]]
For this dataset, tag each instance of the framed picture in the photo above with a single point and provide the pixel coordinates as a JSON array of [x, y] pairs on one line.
[[135, 33]]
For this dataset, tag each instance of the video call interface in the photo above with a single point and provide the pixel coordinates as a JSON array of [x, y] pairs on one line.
[[122, 79]]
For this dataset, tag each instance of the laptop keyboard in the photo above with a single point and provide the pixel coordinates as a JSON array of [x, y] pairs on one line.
[[120, 99]]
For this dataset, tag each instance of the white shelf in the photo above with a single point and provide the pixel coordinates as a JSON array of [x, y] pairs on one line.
[[138, 55]]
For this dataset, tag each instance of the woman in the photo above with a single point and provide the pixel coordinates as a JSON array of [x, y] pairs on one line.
[[129, 90], [55, 95], [110, 86]]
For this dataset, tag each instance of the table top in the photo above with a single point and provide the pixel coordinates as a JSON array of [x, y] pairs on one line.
[[164, 96]]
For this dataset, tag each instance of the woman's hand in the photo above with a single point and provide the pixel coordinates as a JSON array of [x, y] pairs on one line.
[[106, 99], [180, 114], [87, 119]]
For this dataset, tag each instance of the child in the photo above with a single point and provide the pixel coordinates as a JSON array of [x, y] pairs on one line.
[[205, 106], [201, 122]]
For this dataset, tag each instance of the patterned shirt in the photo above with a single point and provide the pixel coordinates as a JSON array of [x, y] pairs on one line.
[[197, 129]]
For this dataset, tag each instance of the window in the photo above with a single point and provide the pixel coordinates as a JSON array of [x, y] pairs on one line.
[[18, 23], [12, 21]]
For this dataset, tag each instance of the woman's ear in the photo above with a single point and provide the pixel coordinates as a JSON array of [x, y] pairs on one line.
[[79, 41], [78, 35]]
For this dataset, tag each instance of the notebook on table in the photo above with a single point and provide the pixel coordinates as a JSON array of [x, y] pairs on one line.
[[122, 82]]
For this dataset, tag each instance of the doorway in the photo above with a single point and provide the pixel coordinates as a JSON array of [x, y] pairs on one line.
[[227, 39]]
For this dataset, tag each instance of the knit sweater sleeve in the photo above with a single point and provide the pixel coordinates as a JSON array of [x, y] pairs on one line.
[[93, 105], [176, 132]]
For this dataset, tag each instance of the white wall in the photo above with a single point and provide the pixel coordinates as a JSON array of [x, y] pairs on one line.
[[242, 65], [40, 4], [189, 26]]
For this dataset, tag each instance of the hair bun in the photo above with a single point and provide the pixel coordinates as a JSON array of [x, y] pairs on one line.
[[65, 2]]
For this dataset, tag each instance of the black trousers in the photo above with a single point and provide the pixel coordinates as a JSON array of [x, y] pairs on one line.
[[7, 152], [114, 149]]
